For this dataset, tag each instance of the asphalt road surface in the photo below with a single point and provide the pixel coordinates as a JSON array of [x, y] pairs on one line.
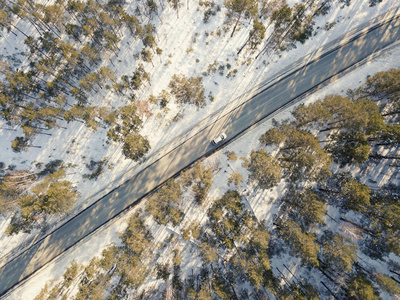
[[262, 105]]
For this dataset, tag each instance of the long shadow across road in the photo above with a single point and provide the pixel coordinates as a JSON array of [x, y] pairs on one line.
[[233, 123]]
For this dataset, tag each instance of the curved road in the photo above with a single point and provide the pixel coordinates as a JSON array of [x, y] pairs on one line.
[[266, 102]]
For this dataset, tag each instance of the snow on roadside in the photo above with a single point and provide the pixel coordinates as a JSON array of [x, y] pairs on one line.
[[78, 145], [261, 201]]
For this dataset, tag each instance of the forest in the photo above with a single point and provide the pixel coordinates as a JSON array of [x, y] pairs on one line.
[[312, 156], [68, 65], [69, 68]]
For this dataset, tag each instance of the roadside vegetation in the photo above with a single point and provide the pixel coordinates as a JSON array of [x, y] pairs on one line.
[[238, 254], [71, 65], [68, 66]]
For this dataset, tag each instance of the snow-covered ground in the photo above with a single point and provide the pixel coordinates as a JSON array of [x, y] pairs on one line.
[[176, 36], [260, 201]]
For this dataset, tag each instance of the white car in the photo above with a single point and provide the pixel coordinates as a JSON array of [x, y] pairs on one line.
[[219, 138]]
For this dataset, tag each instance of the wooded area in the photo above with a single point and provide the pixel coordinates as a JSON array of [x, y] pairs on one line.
[[70, 52], [236, 247]]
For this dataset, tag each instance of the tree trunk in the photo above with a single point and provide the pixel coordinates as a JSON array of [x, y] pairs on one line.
[[328, 191], [18, 30], [286, 281], [391, 113], [328, 129], [10, 129], [248, 39], [395, 279], [375, 155], [334, 296], [237, 22], [39, 132], [263, 50], [395, 272]]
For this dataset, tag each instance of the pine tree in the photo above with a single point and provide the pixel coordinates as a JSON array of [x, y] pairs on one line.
[[19, 144], [388, 284], [133, 24], [205, 293], [361, 288], [161, 205], [163, 271], [221, 288], [48, 197], [70, 274], [159, 51], [5, 18], [139, 77], [256, 36], [301, 156], [152, 6], [384, 83], [135, 146], [59, 198], [12, 186], [267, 7], [226, 223], [349, 148], [136, 238], [339, 252], [356, 195], [147, 56], [351, 124], [53, 14], [316, 114], [88, 52], [260, 238], [302, 243], [272, 137], [149, 41], [281, 18], [238, 9], [202, 179], [130, 119], [175, 5], [188, 90], [77, 112], [384, 223], [236, 178], [111, 41], [306, 207], [264, 169]]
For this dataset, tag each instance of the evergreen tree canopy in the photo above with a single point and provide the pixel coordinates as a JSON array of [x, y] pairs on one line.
[[301, 243], [356, 195], [264, 169], [388, 284], [48, 197], [386, 83], [306, 207], [135, 146], [361, 288], [226, 217], [238, 9], [339, 252], [161, 204], [300, 154], [188, 90]]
